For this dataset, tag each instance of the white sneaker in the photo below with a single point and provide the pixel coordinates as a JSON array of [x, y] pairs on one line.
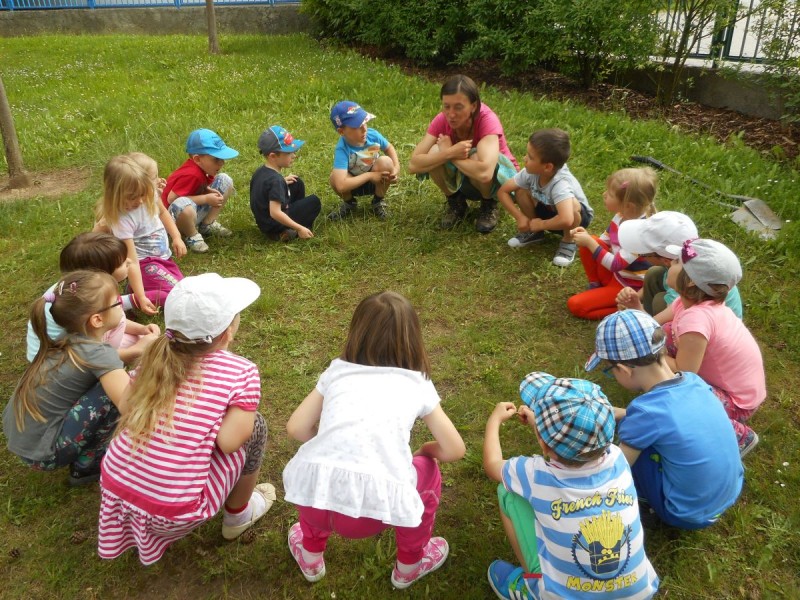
[[565, 254], [526, 239], [196, 243], [266, 491]]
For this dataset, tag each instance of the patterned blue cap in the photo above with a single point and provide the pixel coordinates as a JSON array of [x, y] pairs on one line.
[[349, 114], [573, 416], [625, 335]]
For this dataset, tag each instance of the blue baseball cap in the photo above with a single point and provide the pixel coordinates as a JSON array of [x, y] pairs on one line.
[[277, 139], [205, 141], [349, 114], [625, 335], [573, 416]]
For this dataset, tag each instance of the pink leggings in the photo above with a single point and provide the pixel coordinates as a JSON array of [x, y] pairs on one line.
[[317, 525]]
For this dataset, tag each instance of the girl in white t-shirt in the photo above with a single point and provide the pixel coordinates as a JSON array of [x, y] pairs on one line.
[[355, 474], [707, 338], [130, 211]]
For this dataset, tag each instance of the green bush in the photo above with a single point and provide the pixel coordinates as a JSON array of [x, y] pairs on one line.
[[429, 32], [582, 38]]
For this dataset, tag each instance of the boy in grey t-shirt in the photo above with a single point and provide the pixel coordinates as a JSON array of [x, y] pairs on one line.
[[548, 197]]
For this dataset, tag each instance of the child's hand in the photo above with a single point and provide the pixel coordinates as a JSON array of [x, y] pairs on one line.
[[526, 415], [215, 199], [304, 233], [503, 412], [628, 298], [535, 225], [581, 237], [146, 306], [153, 328], [290, 179], [161, 183], [178, 247]]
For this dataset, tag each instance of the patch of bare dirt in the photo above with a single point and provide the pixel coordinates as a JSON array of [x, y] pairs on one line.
[[47, 185], [778, 139]]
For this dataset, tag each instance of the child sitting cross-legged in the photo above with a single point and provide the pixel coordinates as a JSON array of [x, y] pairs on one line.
[[279, 203], [675, 435], [571, 515], [609, 267]]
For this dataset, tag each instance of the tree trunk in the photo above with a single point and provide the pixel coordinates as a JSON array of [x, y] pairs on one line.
[[213, 44], [17, 176]]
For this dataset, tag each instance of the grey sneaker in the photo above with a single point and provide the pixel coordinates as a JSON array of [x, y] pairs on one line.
[[196, 243], [487, 217], [345, 210], [215, 228], [565, 254], [526, 239], [456, 211], [380, 210]]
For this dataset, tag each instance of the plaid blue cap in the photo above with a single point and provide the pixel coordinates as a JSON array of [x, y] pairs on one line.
[[573, 416], [625, 335], [349, 114], [205, 141]]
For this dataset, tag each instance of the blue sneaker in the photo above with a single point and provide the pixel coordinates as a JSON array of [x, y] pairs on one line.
[[507, 581]]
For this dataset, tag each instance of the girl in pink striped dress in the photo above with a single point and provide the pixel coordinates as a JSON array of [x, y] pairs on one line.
[[193, 438]]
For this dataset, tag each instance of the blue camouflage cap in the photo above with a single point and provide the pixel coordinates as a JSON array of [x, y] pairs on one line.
[[573, 416]]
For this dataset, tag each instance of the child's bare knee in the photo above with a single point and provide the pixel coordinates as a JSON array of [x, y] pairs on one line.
[[383, 163]]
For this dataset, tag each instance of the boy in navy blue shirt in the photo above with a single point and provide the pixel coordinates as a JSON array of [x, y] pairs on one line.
[[364, 161]]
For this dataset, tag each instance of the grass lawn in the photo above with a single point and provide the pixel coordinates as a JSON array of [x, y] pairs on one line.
[[490, 314]]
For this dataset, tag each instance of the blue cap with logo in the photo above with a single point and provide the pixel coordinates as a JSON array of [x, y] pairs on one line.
[[349, 114], [573, 416], [205, 141], [277, 139]]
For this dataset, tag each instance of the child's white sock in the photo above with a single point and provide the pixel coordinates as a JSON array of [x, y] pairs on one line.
[[406, 569], [256, 504], [310, 557]]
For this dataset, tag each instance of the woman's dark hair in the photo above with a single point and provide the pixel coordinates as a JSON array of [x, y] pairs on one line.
[[385, 332], [461, 84]]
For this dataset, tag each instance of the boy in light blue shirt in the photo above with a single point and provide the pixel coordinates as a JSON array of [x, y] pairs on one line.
[[364, 162]]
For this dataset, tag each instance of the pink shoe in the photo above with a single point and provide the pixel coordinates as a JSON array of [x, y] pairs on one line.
[[434, 556], [311, 571]]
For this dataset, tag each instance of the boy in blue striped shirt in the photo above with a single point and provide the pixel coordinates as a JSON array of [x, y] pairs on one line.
[[572, 514]]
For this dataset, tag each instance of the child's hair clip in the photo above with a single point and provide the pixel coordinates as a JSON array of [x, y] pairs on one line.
[[169, 334], [73, 287], [60, 288], [49, 297], [623, 185]]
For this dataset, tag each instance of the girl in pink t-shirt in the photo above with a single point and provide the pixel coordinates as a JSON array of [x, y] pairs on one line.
[[707, 338]]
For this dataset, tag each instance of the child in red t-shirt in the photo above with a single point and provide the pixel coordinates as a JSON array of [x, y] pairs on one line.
[[196, 191]]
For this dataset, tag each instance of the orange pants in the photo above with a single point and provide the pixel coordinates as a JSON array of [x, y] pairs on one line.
[[596, 303]]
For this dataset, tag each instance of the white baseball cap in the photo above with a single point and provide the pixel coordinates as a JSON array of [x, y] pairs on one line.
[[203, 306], [654, 234]]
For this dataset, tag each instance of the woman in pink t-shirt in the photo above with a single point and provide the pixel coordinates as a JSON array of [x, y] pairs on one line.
[[709, 339], [465, 153]]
